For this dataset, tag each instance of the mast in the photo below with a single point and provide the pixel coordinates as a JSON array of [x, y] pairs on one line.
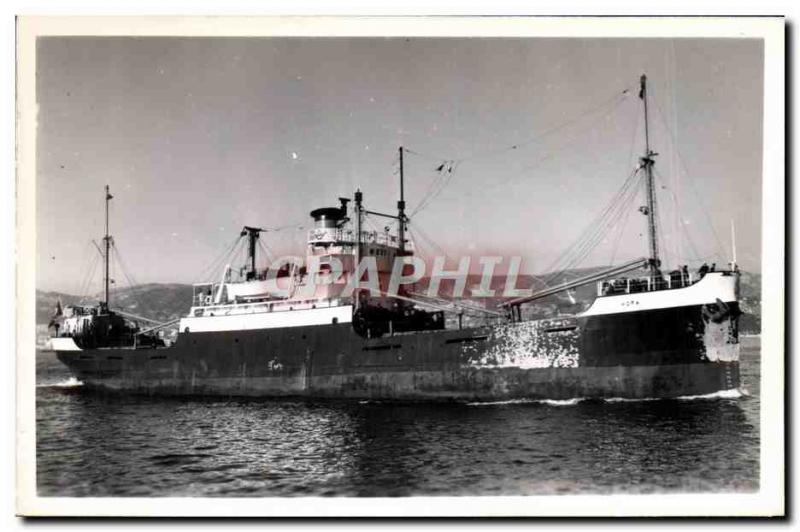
[[648, 162], [359, 213], [252, 238], [401, 210], [107, 240]]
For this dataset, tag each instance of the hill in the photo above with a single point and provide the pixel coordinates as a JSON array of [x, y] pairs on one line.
[[160, 302], [164, 302]]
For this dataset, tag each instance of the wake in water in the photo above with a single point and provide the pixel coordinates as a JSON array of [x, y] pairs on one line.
[[551, 402], [72, 382], [736, 393]]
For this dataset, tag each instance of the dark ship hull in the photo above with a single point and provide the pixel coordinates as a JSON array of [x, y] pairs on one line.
[[658, 353], [656, 337]]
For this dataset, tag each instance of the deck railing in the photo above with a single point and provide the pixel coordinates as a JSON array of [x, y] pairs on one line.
[[265, 306], [334, 235], [633, 285]]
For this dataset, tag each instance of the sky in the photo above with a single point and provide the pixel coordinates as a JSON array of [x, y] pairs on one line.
[[199, 136]]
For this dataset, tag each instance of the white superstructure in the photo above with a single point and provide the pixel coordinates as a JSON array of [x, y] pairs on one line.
[[266, 315], [713, 286]]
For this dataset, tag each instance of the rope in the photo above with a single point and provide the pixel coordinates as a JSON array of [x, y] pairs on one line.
[[589, 239], [77, 289], [431, 242], [619, 236], [605, 226], [266, 251], [571, 140], [673, 142], [624, 223], [86, 285], [717, 255], [133, 285], [430, 196], [442, 181], [524, 171], [606, 221], [616, 99], [417, 246], [218, 261]]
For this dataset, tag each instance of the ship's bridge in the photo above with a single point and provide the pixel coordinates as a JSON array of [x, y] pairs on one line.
[[341, 236], [330, 230], [329, 227]]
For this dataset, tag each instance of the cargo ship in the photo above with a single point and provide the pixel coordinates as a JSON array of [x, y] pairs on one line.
[[315, 330]]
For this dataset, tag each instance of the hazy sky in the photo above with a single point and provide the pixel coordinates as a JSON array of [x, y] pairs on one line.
[[199, 136]]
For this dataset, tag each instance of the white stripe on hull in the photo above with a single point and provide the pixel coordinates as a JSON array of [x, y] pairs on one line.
[[707, 290], [63, 344], [268, 320]]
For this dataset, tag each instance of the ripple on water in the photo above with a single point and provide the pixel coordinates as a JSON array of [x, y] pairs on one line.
[[91, 445]]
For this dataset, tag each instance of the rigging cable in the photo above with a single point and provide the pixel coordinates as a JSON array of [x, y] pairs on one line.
[[85, 266], [594, 231], [583, 250], [524, 171], [86, 285], [430, 196], [673, 142], [90, 265], [135, 287], [686, 231], [270, 256], [570, 141], [211, 268], [605, 226], [442, 182], [619, 237], [632, 161], [426, 247], [607, 220], [615, 99], [431, 242], [445, 172], [416, 244], [628, 215]]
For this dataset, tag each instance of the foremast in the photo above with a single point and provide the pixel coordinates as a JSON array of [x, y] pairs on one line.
[[647, 162], [106, 256]]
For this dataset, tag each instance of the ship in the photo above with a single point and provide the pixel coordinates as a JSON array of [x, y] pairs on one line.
[[283, 333]]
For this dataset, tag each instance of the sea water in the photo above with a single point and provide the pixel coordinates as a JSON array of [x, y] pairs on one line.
[[94, 445]]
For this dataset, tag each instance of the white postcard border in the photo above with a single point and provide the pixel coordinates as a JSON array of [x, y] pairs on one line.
[[768, 501]]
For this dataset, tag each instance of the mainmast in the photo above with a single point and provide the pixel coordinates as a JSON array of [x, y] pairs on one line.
[[401, 210], [648, 162], [359, 212], [107, 240]]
